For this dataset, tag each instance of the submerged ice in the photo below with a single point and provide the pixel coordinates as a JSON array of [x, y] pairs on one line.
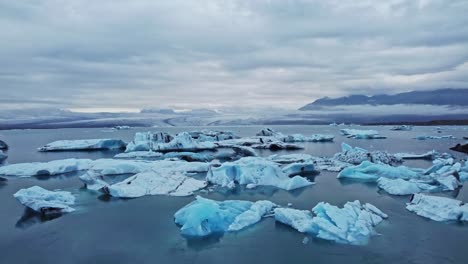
[[54, 167], [84, 144], [45, 201], [438, 208]]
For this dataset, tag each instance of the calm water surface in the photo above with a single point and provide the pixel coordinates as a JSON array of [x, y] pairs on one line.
[[107, 230]]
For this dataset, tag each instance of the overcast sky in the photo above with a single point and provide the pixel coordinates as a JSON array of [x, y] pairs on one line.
[[124, 55]]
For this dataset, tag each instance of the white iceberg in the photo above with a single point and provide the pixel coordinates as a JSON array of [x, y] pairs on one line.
[[290, 158], [254, 170], [204, 217], [54, 167], [361, 134], [139, 155], [183, 142], [352, 224], [155, 183], [425, 137], [404, 187], [212, 135], [430, 155], [371, 172], [270, 143], [144, 141], [84, 144], [44, 201], [357, 155], [438, 208], [269, 132], [301, 220], [320, 163]]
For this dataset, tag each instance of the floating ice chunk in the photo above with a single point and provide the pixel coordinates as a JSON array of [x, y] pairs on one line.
[[255, 213], [139, 155], [403, 187], [438, 208], [212, 135], [352, 224], [44, 201], [357, 155], [290, 158], [269, 132], [117, 166], [144, 141], [372, 208], [204, 217], [121, 127], [371, 172], [271, 143], [301, 220], [156, 183], [254, 170], [430, 155], [361, 134], [299, 168], [402, 128], [54, 167], [183, 142], [425, 137], [3, 145], [84, 144]]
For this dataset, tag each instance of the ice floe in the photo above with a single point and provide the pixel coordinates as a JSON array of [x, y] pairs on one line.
[[352, 224], [144, 141], [45, 201], [269, 132], [430, 155], [212, 135], [425, 137], [438, 208], [155, 183], [84, 144], [139, 155], [299, 168], [402, 128], [270, 143], [204, 217], [361, 134], [254, 170], [54, 167], [183, 142], [320, 163], [357, 155], [369, 171]]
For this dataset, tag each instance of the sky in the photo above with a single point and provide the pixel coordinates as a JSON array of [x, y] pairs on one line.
[[89, 55]]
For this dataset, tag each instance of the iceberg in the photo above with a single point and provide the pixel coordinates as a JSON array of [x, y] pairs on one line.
[[371, 172], [144, 141], [438, 208], [299, 168], [258, 143], [44, 201], [50, 168], [269, 132], [155, 183], [3, 145], [320, 163], [204, 217], [84, 144], [183, 142], [254, 170], [301, 220], [361, 134], [402, 128], [290, 158], [121, 127], [425, 137], [212, 135], [403, 187], [139, 155], [352, 224], [430, 155], [357, 155]]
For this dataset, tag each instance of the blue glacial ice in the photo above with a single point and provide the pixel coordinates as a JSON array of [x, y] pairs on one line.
[[204, 217], [299, 168], [438, 208], [357, 155], [54, 167], [369, 171], [361, 134], [144, 141], [256, 171], [84, 144], [45, 201], [352, 224]]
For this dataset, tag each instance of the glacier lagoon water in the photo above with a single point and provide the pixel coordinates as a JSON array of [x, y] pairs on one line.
[[142, 230]]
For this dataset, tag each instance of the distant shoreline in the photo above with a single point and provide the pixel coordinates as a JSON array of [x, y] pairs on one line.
[[423, 123]]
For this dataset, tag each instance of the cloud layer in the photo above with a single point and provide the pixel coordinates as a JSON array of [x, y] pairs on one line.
[[191, 54]]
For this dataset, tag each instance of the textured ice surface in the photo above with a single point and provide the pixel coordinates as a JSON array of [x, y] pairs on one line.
[[84, 144], [269, 132], [425, 137], [438, 208], [183, 142], [430, 155], [371, 172], [203, 217], [44, 201], [402, 128], [299, 168], [139, 155], [361, 134], [404, 187], [357, 155], [54, 167], [254, 170], [144, 141], [156, 183], [301, 220]]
